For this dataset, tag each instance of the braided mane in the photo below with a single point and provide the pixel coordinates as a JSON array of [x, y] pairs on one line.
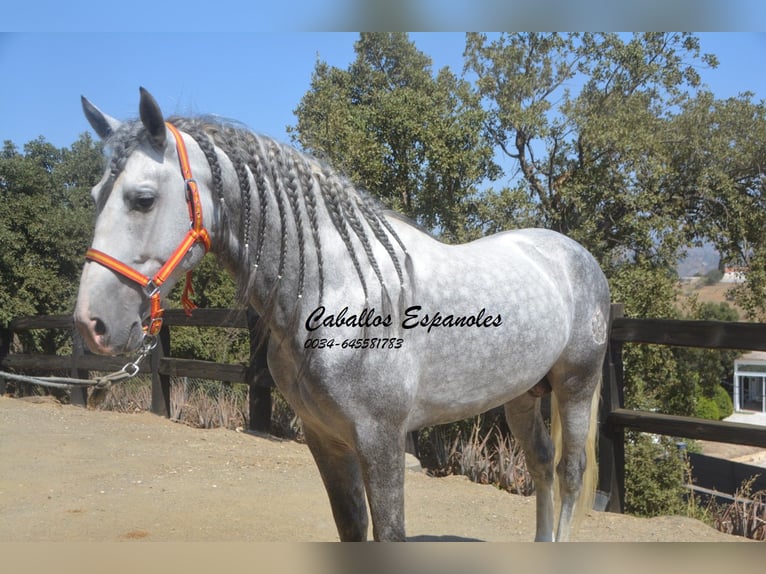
[[297, 181]]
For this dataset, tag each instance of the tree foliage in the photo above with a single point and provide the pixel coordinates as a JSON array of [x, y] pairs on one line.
[[584, 119], [717, 165], [706, 369], [45, 226], [655, 475], [214, 288], [410, 137]]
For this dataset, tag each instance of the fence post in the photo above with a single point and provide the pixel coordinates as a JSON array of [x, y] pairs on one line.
[[78, 395], [5, 347], [258, 379], [611, 444], [161, 383]]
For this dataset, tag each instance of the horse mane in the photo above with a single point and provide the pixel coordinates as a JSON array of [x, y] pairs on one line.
[[299, 183]]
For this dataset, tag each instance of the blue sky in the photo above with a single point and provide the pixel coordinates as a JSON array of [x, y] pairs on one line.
[[256, 78]]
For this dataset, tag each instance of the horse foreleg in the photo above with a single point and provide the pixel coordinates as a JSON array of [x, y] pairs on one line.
[[527, 425], [339, 467], [381, 454]]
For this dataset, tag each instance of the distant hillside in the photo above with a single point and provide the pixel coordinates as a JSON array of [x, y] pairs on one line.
[[718, 293], [698, 261]]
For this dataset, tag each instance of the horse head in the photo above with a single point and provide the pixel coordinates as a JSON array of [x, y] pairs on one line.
[[150, 228]]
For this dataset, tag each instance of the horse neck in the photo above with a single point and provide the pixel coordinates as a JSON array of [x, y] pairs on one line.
[[301, 236]]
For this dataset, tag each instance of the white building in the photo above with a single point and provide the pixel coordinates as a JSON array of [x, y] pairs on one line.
[[734, 275], [750, 382]]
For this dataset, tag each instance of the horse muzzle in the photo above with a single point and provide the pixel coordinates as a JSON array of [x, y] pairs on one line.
[[103, 339], [108, 313]]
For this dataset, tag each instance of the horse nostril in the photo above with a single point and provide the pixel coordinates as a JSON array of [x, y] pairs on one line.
[[99, 327]]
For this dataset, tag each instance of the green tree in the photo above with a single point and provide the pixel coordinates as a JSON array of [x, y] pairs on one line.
[[584, 121], [45, 227], [716, 169], [411, 138], [655, 474]]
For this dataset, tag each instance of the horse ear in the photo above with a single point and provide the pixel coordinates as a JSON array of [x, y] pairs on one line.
[[151, 117], [103, 124]]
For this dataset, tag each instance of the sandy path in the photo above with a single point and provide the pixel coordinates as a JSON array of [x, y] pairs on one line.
[[68, 474]]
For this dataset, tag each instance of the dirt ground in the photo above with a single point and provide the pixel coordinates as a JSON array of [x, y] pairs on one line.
[[72, 475]]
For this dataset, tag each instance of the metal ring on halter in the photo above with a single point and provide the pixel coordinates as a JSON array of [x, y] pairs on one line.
[[151, 289], [148, 344]]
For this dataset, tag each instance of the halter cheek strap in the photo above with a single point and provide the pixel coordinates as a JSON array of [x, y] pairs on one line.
[[196, 234]]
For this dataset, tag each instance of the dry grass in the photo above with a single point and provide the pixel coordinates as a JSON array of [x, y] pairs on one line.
[[202, 404], [484, 453], [697, 291], [745, 516]]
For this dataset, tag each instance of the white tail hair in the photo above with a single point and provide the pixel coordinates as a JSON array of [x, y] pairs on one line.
[[590, 476]]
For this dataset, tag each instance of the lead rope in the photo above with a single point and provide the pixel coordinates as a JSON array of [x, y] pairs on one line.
[[101, 385]]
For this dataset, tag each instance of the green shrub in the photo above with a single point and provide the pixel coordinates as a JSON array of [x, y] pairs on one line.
[[715, 407], [713, 277], [654, 476], [706, 408], [723, 401]]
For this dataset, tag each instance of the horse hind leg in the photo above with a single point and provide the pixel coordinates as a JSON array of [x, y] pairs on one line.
[[528, 427], [574, 435], [342, 476]]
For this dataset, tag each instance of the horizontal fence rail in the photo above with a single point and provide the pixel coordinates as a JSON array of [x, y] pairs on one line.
[[677, 333]]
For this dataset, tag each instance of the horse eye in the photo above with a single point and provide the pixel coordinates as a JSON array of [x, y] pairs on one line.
[[143, 202]]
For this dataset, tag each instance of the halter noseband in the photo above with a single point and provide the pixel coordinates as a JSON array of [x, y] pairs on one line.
[[196, 233]]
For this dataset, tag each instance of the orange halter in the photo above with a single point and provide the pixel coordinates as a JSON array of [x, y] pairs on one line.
[[197, 233]]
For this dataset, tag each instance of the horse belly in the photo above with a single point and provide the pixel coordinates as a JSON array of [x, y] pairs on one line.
[[464, 374]]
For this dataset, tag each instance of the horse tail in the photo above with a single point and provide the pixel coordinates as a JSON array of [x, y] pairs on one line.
[[590, 475]]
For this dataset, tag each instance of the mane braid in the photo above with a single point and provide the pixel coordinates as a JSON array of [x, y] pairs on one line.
[[382, 219], [373, 218], [119, 146], [279, 195], [123, 142], [240, 166], [308, 187], [287, 169], [331, 189], [349, 209], [251, 143]]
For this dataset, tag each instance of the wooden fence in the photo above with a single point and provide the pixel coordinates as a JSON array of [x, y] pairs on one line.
[[613, 416], [162, 365]]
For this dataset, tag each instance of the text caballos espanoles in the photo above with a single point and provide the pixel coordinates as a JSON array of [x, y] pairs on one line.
[[413, 318]]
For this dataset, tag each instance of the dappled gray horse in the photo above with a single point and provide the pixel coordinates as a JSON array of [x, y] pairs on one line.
[[375, 328]]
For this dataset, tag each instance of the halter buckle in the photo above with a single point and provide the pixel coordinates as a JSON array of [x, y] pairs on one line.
[[154, 326], [189, 190]]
